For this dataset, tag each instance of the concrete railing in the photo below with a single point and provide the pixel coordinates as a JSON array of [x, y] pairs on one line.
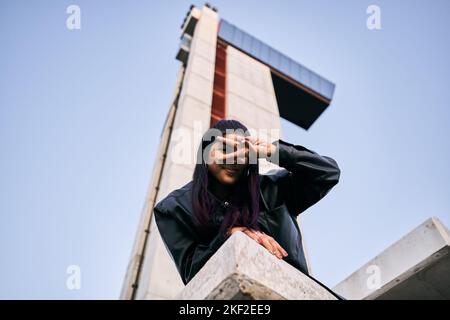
[[243, 269]]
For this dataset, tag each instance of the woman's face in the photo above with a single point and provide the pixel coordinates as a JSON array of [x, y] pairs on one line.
[[228, 171]]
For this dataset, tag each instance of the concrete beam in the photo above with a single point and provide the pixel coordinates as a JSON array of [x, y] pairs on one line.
[[243, 269], [415, 267]]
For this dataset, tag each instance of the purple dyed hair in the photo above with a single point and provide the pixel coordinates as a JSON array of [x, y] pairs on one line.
[[244, 202]]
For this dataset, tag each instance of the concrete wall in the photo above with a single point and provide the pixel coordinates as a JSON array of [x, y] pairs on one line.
[[251, 97]]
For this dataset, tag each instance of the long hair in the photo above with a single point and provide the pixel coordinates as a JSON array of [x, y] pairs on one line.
[[243, 209]]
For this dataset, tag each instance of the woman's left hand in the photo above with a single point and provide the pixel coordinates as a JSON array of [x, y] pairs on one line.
[[261, 148], [267, 242]]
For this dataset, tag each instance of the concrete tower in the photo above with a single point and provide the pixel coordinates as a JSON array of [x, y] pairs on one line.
[[224, 73]]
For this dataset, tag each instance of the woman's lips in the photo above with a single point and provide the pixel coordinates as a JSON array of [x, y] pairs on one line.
[[231, 171]]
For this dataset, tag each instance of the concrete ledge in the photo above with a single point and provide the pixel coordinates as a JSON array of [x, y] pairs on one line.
[[415, 267], [243, 269]]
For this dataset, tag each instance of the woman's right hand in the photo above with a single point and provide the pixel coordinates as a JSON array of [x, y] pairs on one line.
[[263, 239]]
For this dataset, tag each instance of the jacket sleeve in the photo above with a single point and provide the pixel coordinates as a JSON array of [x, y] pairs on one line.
[[189, 255], [311, 176]]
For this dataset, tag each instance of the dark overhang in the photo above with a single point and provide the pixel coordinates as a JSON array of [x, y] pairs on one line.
[[302, 94]]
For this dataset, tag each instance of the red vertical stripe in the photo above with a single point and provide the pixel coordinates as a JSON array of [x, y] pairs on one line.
[[218, 107]]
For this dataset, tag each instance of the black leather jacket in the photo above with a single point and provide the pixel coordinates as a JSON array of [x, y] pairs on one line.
[[307, 179]]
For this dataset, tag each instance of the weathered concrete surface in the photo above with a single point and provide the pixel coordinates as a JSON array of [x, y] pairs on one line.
[[415, 267], [243, 269]]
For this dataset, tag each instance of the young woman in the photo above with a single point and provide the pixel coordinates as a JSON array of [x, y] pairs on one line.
[[227, 195]]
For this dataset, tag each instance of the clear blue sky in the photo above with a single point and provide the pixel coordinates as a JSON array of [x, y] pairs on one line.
[[81, 113]]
